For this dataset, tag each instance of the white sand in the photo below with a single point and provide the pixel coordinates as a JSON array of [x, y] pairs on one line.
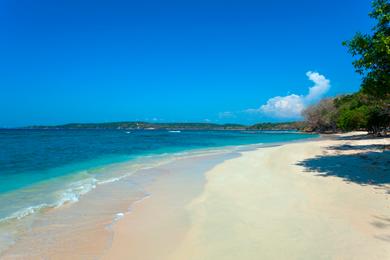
[[262, 205]]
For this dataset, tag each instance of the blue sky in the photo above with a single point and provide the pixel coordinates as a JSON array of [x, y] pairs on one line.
[[220, 61]]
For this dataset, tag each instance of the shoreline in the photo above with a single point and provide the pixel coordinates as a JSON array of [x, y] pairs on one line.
[[170, 216], [161, 219], [101, 226], [226, 222], [148, 160]]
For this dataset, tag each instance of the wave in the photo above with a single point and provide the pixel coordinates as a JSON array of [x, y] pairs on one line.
[[25, 212], [70, 195], [70, 191], [78, 189]]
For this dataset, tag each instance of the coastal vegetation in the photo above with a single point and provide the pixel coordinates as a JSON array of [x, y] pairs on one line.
[[299, 125], [369, 108]]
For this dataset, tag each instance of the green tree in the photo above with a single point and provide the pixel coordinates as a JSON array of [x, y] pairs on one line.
[[370, 107], [373, 52], [361, 111]]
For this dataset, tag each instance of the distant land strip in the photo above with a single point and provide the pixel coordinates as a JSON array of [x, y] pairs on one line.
[[174, 126]]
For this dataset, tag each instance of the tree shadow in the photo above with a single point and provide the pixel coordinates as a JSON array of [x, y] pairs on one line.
[[360, 164], [347, 147], [382, 223], [360, 137], [368, 168]]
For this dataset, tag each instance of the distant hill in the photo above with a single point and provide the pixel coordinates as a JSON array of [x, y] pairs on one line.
[[278, 126], [174, 126]]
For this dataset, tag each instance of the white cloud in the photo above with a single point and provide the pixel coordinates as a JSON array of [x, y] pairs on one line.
[[321, 86], [283, 107], [291, 106]]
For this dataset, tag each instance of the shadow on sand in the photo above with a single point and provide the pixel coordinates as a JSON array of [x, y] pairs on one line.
[[361, 148], [366, 168], [359, 137], [369, 166], [382, 223]]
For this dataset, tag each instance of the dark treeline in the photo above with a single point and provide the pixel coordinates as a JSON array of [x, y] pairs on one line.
[[369, 108], [278, 126]]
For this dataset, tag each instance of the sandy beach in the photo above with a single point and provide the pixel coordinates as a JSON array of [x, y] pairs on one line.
[[279, 202]]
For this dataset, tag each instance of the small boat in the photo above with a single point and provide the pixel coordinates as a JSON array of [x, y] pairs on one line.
[[175, 131]]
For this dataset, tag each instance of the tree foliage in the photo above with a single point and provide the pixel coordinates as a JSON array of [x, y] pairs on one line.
[[373, 52], [352, 112]]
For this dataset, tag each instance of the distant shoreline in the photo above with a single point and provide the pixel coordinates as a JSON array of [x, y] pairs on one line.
[[139, 125]]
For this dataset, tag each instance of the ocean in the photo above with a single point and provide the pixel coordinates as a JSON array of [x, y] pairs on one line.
[[44, 169]]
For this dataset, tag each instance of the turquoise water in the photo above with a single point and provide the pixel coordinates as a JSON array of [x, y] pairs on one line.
[[46, 168]]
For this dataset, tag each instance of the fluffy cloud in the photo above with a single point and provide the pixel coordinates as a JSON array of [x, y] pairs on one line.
[[283, 107], [321, 86], [291, 106]]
